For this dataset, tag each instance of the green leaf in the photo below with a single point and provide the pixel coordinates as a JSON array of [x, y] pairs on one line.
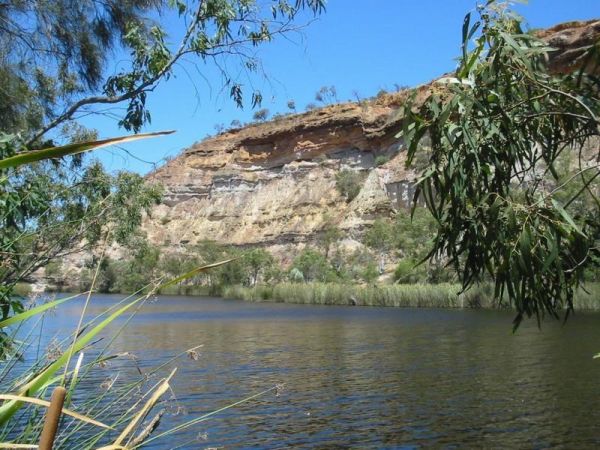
[[553, 254], [465, 33], [8, 409], [71, 149], [567, 217], [34, 311]]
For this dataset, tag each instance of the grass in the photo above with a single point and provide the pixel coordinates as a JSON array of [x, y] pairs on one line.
[[105, 415], [192, 290], [406, 295], [443, 295]]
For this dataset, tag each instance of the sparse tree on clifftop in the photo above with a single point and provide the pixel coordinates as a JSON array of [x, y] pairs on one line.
[[261, 115]]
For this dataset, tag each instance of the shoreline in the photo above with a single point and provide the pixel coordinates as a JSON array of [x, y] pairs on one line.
[[443, 295]]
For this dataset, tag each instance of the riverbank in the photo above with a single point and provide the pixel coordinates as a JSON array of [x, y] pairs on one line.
[[444, 295]]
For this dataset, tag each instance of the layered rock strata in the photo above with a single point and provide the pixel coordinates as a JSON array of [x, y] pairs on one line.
[[273, 184]]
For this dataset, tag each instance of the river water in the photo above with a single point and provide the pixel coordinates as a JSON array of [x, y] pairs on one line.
[[361, 377]]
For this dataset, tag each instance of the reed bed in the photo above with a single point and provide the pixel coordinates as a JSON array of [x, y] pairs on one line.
[[188, 289], [444, 295], [588, 297]]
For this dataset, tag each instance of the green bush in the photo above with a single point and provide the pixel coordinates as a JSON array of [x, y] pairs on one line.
[[22, 289], [348, 184], [313, 266], [370, 272], [406, 272], [381, 160]]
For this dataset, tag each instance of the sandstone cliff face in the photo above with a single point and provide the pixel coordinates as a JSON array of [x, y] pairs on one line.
[[274, 184]]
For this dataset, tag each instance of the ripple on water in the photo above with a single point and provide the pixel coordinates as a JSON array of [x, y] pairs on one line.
[[366, 377]]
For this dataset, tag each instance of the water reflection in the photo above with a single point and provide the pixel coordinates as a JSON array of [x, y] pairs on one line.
[[369, 377]]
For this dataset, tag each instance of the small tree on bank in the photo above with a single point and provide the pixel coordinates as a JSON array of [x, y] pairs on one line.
[[258, 262], [312, 265], [380, 238]]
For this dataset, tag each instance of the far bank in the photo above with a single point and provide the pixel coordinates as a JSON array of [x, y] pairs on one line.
[[416, 295]]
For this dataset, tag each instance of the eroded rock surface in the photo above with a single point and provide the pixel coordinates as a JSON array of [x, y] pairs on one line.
[[274, 184]]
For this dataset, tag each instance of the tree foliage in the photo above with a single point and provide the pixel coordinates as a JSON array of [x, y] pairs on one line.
[[51, 209], [261, 115], [52, 52], [57, 56], [497, 130], [59, 62], [257, 262], [313, 266], [327, 95]]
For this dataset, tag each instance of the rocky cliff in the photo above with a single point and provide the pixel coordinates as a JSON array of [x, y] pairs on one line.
[[273, 184]]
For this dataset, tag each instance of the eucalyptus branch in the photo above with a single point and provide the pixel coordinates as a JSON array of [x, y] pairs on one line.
[[100, 99], [227, 47]]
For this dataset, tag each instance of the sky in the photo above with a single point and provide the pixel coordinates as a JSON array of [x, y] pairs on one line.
[[360, 47]]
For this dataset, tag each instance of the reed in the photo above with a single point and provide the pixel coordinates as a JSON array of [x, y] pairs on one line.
[[444, 295], [587, 297], [186, 289], [111, 416]]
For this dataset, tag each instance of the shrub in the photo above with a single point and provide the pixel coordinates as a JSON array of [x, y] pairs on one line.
[[327, 95], [370, 272], [257, 262], [54, 269], [348, 183], [313, 266], [381, 160], [261, 115], [408, 272], [22, 289], [380, 236]]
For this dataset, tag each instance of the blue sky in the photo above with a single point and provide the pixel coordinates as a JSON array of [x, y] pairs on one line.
[[356, 46]]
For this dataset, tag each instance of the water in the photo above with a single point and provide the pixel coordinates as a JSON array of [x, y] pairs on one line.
[[363, 377]]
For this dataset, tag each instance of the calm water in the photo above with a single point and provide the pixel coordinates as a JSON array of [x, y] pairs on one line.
[[364, 377]]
